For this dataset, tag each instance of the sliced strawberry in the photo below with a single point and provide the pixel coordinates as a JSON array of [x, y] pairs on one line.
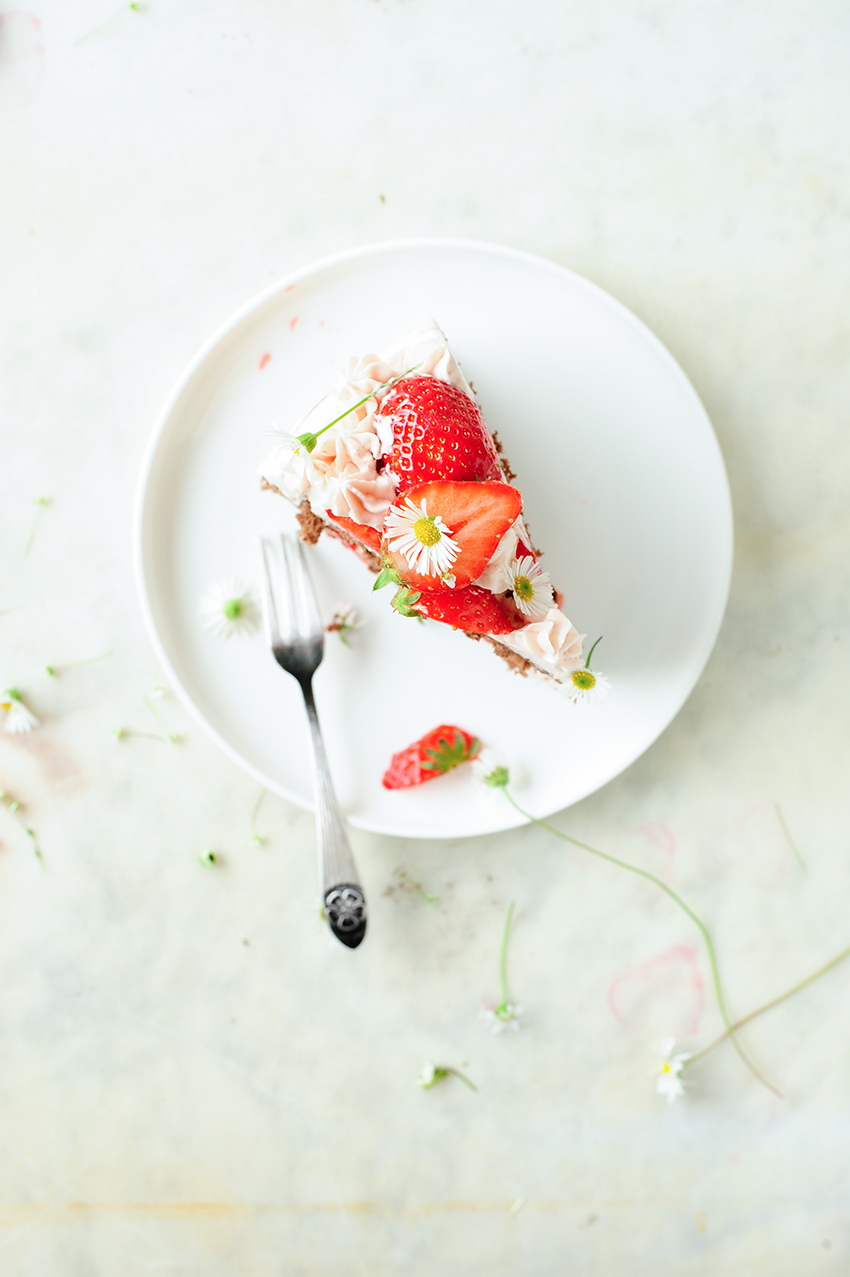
[[472, 609], [477, 516], [435, 754], [438, 433], [369, 536]]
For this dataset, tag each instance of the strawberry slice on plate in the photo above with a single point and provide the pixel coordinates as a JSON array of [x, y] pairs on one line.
[[436, 753], [469, 518], [438, 433]]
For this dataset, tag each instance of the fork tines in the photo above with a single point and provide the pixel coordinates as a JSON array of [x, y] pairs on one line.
[[290, 611]]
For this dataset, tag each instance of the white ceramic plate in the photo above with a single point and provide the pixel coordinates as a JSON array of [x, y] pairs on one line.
[[624, 489]]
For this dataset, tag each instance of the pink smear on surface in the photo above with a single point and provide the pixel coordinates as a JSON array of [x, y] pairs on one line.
[[23, 65], [56, 766], [580, 501], [667, 989], [293, 323], [265, 358], [289, 288]]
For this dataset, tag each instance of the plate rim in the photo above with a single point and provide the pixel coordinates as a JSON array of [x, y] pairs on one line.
[[513, 820]]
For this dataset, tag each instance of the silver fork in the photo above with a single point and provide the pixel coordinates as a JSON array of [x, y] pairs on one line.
[[297, 639]]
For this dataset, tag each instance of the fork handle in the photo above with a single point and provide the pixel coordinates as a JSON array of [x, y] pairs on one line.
[[342, 895]]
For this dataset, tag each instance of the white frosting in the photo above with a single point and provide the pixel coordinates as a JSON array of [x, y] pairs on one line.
[[341, 475], [553, 644]]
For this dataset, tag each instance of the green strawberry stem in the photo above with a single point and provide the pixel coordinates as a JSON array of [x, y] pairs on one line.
[[404, 601], [309, 440], [677, 899]]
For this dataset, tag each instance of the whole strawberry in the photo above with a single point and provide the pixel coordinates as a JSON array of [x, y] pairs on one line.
[[438, 433], [435, 754]]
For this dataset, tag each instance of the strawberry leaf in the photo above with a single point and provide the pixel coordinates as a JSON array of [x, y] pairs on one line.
[[448, 755], [386, 576]]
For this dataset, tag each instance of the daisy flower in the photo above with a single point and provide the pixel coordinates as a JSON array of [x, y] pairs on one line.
[[16, 718], [489, 770], [228, 609], [531, 589], [669, 1083], [584, 685], [344, 620], [423, 539], [282, 436], [431, 1074], [503, 1018]]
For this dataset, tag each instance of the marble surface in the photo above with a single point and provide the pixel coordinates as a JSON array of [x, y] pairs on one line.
[[194, 1078]]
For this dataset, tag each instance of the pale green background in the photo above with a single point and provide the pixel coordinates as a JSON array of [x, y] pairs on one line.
[[194, 1078]]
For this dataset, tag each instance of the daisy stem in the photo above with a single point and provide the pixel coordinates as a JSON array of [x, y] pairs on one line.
[[170, 735], [52, 670], [309, 438], [416, 886], [255, 837], [503, 953], [40, 503], [790, 841], [13, 806], [677, 899], [457, 1073], [768, 1006], [134, 7], [36, 849], [592, 650]]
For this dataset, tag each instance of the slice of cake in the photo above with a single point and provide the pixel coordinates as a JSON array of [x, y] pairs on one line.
[[398, 463]]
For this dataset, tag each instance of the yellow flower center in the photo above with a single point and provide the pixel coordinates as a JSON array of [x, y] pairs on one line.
[[583, 679], [426, 531], [523, 588], [7, 705], [665, 1068]]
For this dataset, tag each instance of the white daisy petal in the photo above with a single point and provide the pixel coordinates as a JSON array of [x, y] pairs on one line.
[[586, 687], [343, 621], [503, 1019], [530, 585], [669, 1083], [228, 609], [424, 540], [487, 768], [345, 616], [16, 717]]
